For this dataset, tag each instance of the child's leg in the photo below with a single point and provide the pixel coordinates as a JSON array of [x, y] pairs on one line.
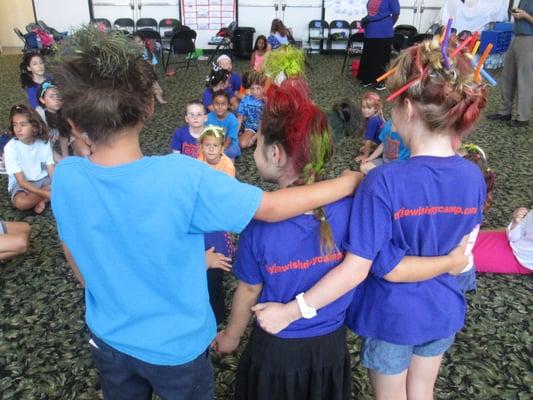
[[26, 201], [388, 387], [421, 377], [247, 138], [14, 240], [158, 93], [80, 148], [216, 293]]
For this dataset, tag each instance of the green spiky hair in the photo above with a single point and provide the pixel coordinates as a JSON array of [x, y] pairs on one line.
[[110, 54], [288, 60]]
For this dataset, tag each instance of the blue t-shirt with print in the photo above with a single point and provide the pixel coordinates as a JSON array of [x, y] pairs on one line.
[[393, 147], [136, 232], [381, 11], [422, 206], [183, 142], [286, 258], [231, 125], [207, 97], [251, 108], [373, 127]]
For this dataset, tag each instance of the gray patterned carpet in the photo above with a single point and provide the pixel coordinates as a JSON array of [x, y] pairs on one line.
[[43, 341]]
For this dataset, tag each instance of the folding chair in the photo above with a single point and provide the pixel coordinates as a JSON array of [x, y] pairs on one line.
[[102, 23], [146, 23], [339, 31], [150, 34], [167, 25], [125, 24], [354, 47], [29, 40], [355, 26], [317, 33], [418, 38], [182, 42]]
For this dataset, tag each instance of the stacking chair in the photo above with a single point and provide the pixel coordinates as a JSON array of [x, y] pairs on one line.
[[418, 38], [354, 47], [339, 31], [124, 24], [182, 42], [102, 22], [146, 23], [167, 25], [355, 26], [318, 32]]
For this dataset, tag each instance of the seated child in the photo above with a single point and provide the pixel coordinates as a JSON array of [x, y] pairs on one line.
[[185, 138], [32, 72], [391, 148], [14, 239], [224, 62], [217, 80], [508, 251], [29, 160], [149, 56], [59, 130], [212, 153], [372, 111], [250, 109], [258, 55], [221, 116]]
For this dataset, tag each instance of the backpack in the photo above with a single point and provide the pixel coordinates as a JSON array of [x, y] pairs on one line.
[[344, 119]]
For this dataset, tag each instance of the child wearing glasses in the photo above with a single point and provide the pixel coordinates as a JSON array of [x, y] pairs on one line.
[[185, 138]]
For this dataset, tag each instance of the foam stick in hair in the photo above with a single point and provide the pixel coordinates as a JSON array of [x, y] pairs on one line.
[[476, 47], [484, 73], [405, 87], [461, 46], [481, 62], [444, 46], [473, 42], [387, 74]]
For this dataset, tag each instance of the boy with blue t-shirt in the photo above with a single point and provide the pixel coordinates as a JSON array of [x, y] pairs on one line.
[[391, 148], [250, 109], [185, 138], [133, 226]]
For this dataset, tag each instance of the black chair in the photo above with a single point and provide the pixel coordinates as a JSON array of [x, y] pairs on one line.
[[399, 42], [97, 22], [182, 42], [31, 26], [339, 31], [354, 47], [146, 23], [29, 45], [150, 34], [407, 32], [124, 24], [317, 33], [355, 26], [166, 25], [418, 38]]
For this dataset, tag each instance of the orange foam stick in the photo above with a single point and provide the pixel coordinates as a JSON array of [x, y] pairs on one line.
[[476, 47], [473, 42], [387, 74], [461, 46], [482, 61]]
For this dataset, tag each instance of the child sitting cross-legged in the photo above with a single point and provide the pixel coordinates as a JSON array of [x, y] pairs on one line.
[[372, 111], [391, 148], [222, 117], [250, 108], [149, 316], [185, 138]]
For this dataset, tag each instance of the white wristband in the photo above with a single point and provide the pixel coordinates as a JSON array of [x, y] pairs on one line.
[[306, 311]]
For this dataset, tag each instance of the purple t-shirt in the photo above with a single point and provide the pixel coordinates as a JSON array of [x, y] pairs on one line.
[[184, 142], [373, 126], [381, 11], [235, 82], [207, 97], [422, 206], [285, 257]]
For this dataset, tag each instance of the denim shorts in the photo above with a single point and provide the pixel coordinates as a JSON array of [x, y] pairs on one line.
[[391, 359]]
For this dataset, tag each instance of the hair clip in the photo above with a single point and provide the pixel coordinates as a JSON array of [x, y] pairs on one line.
[[444, 46], [481, 62], [45, 86], [387, 74]]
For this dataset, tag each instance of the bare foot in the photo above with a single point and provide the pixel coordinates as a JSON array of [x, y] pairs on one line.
[[39, 208], [162, 101]]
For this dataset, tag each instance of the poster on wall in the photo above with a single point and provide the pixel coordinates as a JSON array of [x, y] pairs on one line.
[[349, 10], [206, 15]]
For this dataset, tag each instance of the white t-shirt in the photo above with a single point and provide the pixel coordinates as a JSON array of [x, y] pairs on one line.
[[521, 240], [30, 159]]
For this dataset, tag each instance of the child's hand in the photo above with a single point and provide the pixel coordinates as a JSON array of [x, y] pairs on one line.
[[217, 260], [519, 214], [459, 259], [274, 317], [225, 343]]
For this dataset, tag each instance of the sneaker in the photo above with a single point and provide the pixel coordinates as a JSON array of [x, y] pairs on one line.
[[517, 124], [379, 86], [499, 117], [367, 84]]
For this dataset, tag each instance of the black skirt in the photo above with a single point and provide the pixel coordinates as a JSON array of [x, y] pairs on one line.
[[315, 368], [374, 60]]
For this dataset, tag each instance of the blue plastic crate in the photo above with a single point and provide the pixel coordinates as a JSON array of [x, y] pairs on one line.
[[499, 39], [503, 26]]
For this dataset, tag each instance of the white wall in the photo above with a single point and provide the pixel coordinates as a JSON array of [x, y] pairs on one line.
[[18, 14], [63, 15]]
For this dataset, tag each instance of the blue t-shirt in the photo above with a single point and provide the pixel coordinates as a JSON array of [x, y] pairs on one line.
[[235, 82], [381, 11], [251, 108], [207, 97], [393, 147], [422, 207], [285, 258], [231, 125], [184, 142], [373, 127], [141, 249], [31, 94], [275, 40]]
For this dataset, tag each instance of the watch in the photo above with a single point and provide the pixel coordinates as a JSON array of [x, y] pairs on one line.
[[307, 312]]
